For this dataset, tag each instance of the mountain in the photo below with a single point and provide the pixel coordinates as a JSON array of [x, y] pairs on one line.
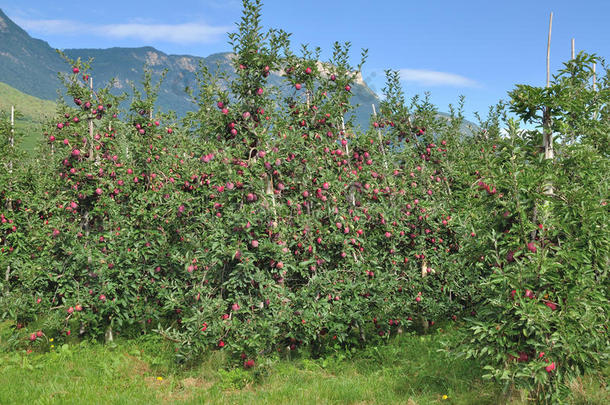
[[181, 74], [31, 66]]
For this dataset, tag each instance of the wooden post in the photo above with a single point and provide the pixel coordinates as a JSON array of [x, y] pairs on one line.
[[7, 277], [11, 141], [595, 88], [378, 129], [91, 122], [547, 124], [344, 133], [108, 336], [9, 204], [548, 54], [381, 145], [547, 127], [12, 137]]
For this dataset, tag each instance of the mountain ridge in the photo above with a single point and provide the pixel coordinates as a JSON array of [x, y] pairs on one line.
[[31, 66]]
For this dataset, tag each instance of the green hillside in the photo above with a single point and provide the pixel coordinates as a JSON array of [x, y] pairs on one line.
[[30, 113]]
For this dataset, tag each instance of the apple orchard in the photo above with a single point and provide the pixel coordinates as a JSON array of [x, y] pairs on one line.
[[264, 222]]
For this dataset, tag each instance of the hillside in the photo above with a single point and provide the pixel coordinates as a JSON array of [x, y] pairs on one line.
[[30, 113], [31, 108]]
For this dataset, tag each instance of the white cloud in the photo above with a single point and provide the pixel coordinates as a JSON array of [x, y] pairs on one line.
[[186, 33], [432, 78]]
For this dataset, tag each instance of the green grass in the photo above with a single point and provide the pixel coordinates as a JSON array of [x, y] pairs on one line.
[[408, 370], [31, 113]]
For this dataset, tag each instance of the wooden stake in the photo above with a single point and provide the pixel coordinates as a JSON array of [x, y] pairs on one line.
[[344, 133], [91, 123], [7, 274], [547, 135], [594, 86], [7, 277], [381, 145], [548, 54], [378, 130], [12, 143], [12, 138]]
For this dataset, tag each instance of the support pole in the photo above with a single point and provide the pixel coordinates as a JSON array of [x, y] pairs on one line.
[[12, 138], [548, 133], [547, 121], [91, 122], [7, 274], [548, 53], [381, 145]]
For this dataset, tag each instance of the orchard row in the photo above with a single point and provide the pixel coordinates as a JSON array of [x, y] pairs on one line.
[[263, 222]]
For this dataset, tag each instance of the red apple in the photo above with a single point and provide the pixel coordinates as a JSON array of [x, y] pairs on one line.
[[531, 247]]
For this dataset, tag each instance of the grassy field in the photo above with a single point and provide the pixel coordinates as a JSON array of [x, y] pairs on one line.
[[407, 370], [31, 113]]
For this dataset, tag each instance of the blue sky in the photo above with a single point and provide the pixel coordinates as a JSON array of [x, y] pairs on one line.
[[476, 48]]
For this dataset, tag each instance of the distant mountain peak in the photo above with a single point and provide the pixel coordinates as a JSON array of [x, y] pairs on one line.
[[3, 24], [8, 26]]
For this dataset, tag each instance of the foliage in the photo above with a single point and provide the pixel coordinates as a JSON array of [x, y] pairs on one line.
[[263, 223], [544, 316]]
